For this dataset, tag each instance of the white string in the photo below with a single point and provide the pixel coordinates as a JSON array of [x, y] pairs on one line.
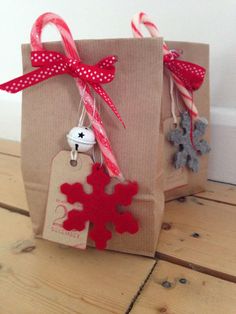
[[101, 157], [94, 108], [73, 154], [83, 112], [173, 104], [99, 111], [82, 117]]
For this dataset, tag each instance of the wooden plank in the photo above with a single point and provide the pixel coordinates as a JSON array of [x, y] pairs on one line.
[[220, 192], [201, 234], [9, 147], [12, 194], [56, 280], [197, 294]]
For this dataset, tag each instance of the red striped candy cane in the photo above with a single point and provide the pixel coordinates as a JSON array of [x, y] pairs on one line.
[[142, 18], [93, 114]]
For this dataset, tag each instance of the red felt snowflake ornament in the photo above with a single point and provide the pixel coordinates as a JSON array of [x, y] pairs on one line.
[[100, 208]]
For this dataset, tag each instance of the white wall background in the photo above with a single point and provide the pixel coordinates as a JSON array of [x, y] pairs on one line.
[[209, 21]]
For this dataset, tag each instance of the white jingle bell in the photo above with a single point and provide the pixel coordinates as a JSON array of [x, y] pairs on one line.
[[81, 139]]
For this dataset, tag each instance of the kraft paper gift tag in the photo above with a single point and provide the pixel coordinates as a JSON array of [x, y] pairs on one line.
[[57, 207]]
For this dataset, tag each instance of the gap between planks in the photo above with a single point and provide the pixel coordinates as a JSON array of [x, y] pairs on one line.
[[140, 289], [200, 234], [10, 148], [220, 192], [195, 267], [14, 209], [175, 289]]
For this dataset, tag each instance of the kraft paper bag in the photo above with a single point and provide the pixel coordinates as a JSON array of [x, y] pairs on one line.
[[183, 182], [50, 110]]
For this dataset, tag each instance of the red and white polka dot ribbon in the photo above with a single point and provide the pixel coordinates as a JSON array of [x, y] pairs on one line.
[[187, 76], [53, 63]]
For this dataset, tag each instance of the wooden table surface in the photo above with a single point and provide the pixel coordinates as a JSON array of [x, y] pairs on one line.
[[194, 272]]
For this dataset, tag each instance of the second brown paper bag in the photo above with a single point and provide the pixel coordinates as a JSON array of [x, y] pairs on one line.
[[182, 181]]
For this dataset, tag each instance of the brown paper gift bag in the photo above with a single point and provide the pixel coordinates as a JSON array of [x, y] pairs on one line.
[[183, 182], [179, 182], [50, 110]]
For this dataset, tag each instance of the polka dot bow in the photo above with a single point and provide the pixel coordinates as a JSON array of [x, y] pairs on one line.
[[192, 75], [51, 63]]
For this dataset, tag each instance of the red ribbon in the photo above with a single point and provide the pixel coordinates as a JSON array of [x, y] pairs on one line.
[[51, 63], [192, 75]]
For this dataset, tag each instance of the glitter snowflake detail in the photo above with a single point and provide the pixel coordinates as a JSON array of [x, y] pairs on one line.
[[189, 150], [100, 208]]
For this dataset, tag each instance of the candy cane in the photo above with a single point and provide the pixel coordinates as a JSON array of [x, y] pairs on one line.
[[142, 18], [93, 114]]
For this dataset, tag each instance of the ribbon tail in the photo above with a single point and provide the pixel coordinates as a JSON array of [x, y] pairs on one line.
[[18, 84], [102, 93], [29, 79]]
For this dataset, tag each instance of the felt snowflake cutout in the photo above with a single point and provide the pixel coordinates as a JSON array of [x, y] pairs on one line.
[[100, 208], [189, 150]]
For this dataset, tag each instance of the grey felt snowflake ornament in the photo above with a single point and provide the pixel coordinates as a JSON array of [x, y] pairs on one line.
[[189, 151]]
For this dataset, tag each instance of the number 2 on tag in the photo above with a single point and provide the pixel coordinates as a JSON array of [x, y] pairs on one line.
[[57, 207]]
